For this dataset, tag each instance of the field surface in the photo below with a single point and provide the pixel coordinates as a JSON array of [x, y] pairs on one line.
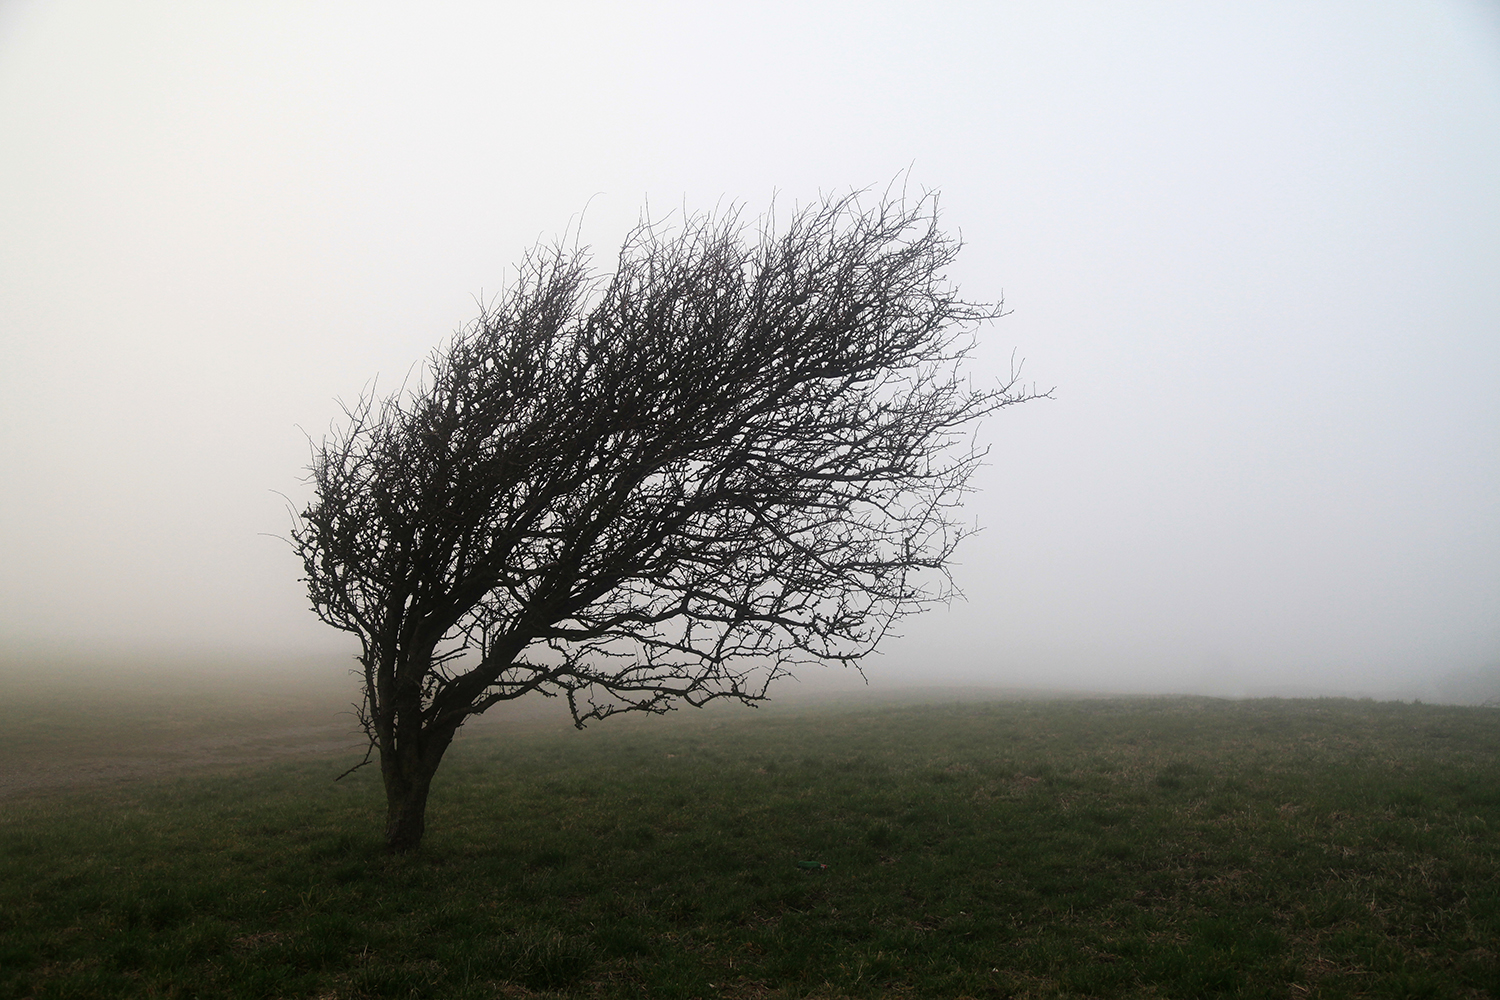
[[1080, 848]]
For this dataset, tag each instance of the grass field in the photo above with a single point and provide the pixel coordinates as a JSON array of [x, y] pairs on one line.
[[1139, 847]]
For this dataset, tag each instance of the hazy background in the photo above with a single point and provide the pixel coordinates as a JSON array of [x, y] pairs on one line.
[[1256, 248]]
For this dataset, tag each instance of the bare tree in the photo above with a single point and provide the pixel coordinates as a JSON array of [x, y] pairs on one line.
[[671, 483]]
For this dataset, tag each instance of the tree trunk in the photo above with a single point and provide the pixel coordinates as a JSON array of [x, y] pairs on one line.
[[410, 751], [406, 812], [407, 768]]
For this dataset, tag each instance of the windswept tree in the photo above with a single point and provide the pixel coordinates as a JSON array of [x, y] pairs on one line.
[[740, 451]]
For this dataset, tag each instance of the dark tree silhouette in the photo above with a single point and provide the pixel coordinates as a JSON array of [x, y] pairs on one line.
[[672, 483]]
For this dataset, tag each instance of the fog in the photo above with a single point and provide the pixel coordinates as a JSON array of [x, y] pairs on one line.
[[1255, 247]]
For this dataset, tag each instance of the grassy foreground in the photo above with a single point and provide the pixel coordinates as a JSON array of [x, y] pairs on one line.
[[1173, 847]]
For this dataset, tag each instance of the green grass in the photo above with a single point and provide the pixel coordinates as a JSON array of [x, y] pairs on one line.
[[1171, 848]]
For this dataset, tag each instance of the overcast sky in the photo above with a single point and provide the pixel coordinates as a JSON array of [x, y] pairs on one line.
[[1256, 248]]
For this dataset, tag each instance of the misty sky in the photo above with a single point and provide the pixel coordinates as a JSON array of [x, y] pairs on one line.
[[1256, 248]]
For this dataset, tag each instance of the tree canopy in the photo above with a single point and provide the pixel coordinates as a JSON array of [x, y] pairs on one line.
[[740, 450]]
